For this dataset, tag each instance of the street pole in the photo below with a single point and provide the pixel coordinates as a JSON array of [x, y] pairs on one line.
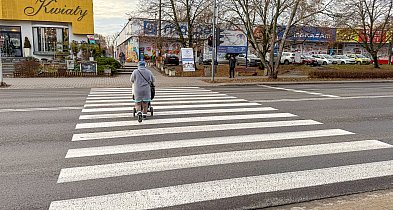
[[214, 51], [1, 70], [158, 54]]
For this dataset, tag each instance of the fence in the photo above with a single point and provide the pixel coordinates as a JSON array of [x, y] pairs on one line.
[[60, 74]]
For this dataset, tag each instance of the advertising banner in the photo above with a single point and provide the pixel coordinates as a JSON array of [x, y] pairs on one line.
[[150, 27], [234, 42], [79, 13], [187, 56], [308, 33]]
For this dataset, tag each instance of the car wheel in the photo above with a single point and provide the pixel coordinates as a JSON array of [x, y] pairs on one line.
[[342, 62], [358, 63], [324, 63], [286, 62]]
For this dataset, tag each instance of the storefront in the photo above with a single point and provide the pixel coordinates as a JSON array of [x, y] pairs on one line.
[[49, 26]]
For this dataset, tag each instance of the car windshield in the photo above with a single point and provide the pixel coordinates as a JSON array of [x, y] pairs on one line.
[[339, 57], [252, 56], [361, 56], [328, 56]]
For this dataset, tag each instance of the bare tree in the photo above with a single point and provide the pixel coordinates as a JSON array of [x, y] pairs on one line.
[[370, 20], [260, 20], [192, 13]]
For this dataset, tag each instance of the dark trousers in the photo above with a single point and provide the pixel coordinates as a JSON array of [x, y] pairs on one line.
[[231, 72]]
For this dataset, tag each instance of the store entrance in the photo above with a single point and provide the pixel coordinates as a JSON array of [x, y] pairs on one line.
[[10, 41]]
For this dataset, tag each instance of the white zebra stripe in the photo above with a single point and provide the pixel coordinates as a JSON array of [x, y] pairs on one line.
[[189, 129], [227, 188], [167, 102], [130, 108], [161, 99], [185, 112], [157, 97], [209, 118]]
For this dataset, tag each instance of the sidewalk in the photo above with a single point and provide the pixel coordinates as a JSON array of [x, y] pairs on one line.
[[378, 200]]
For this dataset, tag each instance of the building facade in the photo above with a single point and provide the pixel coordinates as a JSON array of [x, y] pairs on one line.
[[48, 25]]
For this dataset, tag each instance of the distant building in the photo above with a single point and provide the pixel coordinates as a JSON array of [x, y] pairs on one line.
[[48, 25]]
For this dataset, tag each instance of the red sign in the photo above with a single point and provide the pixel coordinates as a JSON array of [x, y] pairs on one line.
[[379, 36]]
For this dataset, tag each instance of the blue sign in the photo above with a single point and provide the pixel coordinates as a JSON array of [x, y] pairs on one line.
[[150, 27], [232, 49], [308, 33]]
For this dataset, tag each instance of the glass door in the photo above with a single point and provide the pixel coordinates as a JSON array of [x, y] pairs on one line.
[[10, 41]]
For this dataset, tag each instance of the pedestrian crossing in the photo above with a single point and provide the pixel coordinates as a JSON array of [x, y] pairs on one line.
[[194, 129]]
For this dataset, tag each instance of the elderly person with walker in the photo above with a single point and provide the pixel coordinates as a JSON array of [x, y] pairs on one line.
[[142, 81]]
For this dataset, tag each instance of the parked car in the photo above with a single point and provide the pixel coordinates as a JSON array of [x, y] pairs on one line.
[[171, 59], [252, 60], [322, 60], [342, 59], [360, 59], [308, 60], [287, 58]]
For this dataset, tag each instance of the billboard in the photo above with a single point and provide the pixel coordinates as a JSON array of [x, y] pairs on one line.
[[150, 27], [187, 56], [308, 33], [234, 42], [79, 13]]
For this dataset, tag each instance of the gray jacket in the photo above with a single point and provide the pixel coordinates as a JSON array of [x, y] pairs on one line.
[[141, 87]]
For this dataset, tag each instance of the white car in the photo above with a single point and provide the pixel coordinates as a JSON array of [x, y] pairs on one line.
[[287, 58], [330, 58], [252, 60], [342, 59], [322, 60]]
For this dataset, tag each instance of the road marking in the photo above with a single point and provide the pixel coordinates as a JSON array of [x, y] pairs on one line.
[[40, 109], [185, 112], [321, 99], [162, 99], [158, 94], [163, 145], [201, 91], [227, 188], [300, 91], [194, 161], [156, 97], [130, 103], [128, 89], [130, 108], [189, 129], [210, 118]]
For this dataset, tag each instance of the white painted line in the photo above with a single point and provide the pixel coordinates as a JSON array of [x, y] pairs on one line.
[[321, 99], [40, 109], [189, 129], [167, 102], [193, 161], [300, 91], [210, 118], [227, 188], [157, 91], [158, 96], [162, 99], [126, 89], [163, 145], [185, 112], [130, 108]]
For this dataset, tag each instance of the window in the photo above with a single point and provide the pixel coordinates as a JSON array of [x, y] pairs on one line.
[[10, 41], [48, 40]]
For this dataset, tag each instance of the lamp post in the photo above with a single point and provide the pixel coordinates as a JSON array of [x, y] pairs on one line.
[[1, 70]]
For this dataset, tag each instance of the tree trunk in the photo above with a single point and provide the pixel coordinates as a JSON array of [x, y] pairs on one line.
[[375, 58]]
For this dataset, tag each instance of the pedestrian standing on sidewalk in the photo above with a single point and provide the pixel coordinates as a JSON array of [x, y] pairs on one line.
[[232, 65], [141, 80], [122, 57]]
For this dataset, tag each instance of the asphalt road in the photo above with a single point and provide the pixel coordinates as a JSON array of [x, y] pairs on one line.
[[41, 128]]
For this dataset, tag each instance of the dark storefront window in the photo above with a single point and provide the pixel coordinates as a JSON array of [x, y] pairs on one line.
[[10, 41], [48, 40]]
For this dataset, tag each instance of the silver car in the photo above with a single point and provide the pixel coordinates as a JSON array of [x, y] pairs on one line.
[[342, 59], [252, 60]]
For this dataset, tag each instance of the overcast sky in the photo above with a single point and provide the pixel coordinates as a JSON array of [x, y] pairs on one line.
[[110, 16]]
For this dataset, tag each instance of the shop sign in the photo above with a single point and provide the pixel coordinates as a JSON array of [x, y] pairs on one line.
[[187, 57], [79, 13], [234, 42], [316, 34]]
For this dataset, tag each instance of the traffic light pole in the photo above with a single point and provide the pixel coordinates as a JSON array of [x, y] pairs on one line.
[[214, 51], [1, 71]]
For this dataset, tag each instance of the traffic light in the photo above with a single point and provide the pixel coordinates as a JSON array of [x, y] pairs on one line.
[[210, 41], [219, 36]]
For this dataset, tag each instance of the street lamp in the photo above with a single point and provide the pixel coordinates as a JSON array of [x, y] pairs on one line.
[[1, 70]]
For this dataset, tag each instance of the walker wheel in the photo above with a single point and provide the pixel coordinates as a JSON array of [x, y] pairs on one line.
[[151, 111], [133, 112]]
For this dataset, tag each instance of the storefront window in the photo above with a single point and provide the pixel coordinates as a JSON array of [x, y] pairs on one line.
[[48, 40], [10, 41]]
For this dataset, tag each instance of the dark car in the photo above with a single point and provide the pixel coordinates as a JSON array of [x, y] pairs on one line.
[[309, 60], [171, 59]]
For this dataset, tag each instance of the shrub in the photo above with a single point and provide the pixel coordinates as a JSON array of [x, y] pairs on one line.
[[26, 44], [351, 74], [104, 61], [29, 67]]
